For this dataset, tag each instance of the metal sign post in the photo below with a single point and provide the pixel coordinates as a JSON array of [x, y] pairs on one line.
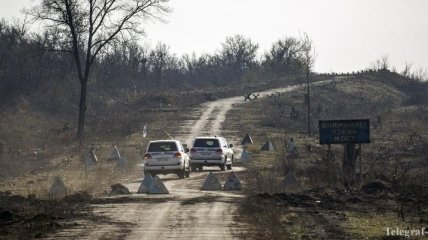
[[361, 164], [349, 133]]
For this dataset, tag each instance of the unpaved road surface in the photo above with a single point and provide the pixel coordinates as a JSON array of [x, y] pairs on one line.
[[185, 213]]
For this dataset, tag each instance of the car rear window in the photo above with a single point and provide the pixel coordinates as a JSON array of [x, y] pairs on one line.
[[206, 143], [162, 147]]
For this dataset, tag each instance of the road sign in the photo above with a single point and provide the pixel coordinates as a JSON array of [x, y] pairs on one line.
[[344, 131]]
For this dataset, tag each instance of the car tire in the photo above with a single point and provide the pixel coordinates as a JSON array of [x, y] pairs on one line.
[[223, 166], [229, 167], [181, 174], [187, 173]]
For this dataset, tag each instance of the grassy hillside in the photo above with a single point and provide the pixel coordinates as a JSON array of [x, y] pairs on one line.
[[321, 206]]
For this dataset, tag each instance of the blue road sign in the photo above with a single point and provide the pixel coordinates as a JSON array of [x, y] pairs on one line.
[[344, 131]]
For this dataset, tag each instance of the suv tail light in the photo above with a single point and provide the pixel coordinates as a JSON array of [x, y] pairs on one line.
[[193, 150], [177, 155], [147, 156], [219, 151]]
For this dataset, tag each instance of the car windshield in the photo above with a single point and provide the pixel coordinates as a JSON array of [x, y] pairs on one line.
[[206, 143], [162, 147]]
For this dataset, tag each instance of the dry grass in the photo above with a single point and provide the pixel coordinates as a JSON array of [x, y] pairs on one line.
[[399, 136]]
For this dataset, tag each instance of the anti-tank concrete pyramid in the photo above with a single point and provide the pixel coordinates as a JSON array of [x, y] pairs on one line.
[[247, 139], [211, 183], [89, 162], [245, 156], [115, 155], [122, 163], [268, 146], [157, 187], [232, 183], [290, 180], [58, 189], [91, 159], [145, 184]]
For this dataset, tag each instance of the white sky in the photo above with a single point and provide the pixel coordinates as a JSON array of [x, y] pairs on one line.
[[348, 34]]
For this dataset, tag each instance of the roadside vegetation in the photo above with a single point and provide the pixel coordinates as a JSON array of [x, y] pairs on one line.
[[394, 190], [132, 85]]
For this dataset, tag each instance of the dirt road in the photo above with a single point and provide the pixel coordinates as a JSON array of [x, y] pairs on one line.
[[185, 213]]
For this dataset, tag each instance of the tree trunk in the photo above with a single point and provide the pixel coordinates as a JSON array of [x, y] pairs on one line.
[[309, 103], [82, 109]]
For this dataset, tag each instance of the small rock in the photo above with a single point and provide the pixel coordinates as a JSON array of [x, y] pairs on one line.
[[119, 189]]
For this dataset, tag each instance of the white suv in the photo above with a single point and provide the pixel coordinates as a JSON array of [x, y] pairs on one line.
[[211, 151], [166, 156]]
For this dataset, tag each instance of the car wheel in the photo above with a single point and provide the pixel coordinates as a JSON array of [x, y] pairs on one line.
[[200, 168], [181, 174], [229, 167], [193, 167], [187, 173], [223, 166]]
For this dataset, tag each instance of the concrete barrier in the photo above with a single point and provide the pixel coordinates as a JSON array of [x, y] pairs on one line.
[[290, 183], [91, 160], [245, 157], [211, 183], [122, 163], [145, 184], [157, 187], [115, 155], [58, 189], [232, 183]]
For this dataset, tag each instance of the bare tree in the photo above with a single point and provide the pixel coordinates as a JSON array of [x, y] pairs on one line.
[[407, 69], [88, 27], [239, 53], [283, 56], [307, 60], [380, 64], [419, 74]]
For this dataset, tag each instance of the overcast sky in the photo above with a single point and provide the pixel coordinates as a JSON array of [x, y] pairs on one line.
[[348, 34]]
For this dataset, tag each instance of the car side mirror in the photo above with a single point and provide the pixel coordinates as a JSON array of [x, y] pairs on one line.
[[186, 150], [230, 145]]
